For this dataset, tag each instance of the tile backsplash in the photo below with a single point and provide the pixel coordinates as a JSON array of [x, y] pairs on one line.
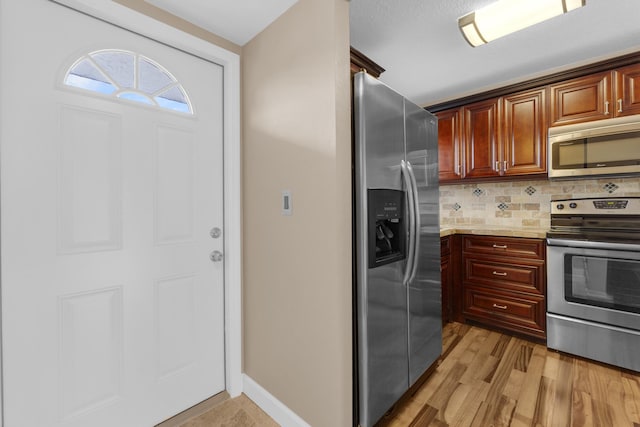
[[521, 204]]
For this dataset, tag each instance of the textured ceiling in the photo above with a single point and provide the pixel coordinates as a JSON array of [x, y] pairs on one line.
[[236, 20], [427, 59]]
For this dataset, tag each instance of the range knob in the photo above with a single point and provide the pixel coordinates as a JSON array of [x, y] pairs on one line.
[[559, 206], [573, 205]]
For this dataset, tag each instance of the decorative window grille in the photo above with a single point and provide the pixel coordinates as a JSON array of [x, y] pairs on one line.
[[128, 75]]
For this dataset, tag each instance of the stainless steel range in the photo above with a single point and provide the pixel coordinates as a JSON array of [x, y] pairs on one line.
[[593, 279]]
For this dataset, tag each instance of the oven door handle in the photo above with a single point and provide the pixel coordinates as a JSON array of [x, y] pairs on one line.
[[629, 247]]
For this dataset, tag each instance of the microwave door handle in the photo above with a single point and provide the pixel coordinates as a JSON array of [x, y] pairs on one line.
[[411, 227], [416, 222]]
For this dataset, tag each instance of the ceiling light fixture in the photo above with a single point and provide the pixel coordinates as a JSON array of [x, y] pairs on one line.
[[508, 16]]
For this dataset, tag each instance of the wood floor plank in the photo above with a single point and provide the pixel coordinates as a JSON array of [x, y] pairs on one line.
[[441, 396], [563, 392], [545, 400], [514, 384], [530, 391], [458, 402], [464, 417], [481, 368], [631, 387], [582, 413], [500, 379], [424, 417], [551, 365]]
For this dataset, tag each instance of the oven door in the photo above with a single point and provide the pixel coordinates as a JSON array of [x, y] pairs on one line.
[[594, 281]]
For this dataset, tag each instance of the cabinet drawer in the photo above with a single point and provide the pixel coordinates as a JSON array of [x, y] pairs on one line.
[[504, 246], [523, 276], [521, 314]]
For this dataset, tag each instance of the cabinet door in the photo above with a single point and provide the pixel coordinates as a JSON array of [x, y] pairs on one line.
[[524, 139], [481, 135], [581, 100], [627, 90], [449, 139], [446, 290], [445, 273]]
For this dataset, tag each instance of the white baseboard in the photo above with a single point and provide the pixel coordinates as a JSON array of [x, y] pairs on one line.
[[269, 404]]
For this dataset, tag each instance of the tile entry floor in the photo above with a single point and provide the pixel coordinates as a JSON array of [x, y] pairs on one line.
[[236, 412]]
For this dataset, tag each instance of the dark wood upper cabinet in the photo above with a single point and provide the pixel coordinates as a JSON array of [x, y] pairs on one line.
[[524, 134], [627, 89], [481, 136], [503, 132], [598, 96], [449, 145], [497, 137], [361, 62], [581, 100]]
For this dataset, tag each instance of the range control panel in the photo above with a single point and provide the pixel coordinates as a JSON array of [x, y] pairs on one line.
[[597, 206]]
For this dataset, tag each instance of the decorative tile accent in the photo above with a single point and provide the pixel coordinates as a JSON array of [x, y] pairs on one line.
[[478, 192], [610, 187], [522, 207], [456, 207]]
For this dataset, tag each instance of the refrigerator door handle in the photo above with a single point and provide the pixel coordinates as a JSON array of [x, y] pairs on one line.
[[411, 229], [416, 223]]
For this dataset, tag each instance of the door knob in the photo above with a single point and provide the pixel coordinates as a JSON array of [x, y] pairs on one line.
[[216, 256]]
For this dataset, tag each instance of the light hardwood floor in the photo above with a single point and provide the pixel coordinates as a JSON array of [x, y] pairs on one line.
[[490, 379]]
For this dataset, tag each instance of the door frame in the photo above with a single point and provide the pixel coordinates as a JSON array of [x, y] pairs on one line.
[[136, 22]]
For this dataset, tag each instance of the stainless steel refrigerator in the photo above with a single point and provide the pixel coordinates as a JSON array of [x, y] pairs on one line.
[[398, 332]]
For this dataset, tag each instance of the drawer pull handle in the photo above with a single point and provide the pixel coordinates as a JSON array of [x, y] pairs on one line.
[[498, 273], [500, 246], [501, 307]]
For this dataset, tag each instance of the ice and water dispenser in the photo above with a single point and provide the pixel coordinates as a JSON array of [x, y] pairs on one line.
[[386, 226]]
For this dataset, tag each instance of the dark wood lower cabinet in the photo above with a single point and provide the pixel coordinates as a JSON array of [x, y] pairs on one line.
[[495, 281], [445, 271]]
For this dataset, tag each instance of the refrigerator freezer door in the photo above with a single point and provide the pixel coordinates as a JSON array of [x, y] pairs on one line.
[[425, 321], [379, 120], [381, 307]]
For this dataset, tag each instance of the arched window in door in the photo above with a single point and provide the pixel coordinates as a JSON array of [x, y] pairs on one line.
[[128, 75]]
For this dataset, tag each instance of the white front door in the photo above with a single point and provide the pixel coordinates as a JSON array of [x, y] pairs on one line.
[[112, 310]]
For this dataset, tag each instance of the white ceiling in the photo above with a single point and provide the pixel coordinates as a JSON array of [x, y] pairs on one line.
[[236, 20], [422, 50], [427, 60]]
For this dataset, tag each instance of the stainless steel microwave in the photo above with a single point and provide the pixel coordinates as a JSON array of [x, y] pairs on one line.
[[600, 147]]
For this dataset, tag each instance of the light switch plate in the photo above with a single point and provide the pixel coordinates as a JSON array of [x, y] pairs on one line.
[[286, 203]]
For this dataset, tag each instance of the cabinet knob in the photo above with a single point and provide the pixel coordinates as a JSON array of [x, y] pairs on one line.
[[620, 105], [606, 107], [499, 246], [501, 307], [499, 273]]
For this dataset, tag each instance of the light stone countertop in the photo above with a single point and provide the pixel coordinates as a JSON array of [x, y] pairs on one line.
[[494, 231]]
